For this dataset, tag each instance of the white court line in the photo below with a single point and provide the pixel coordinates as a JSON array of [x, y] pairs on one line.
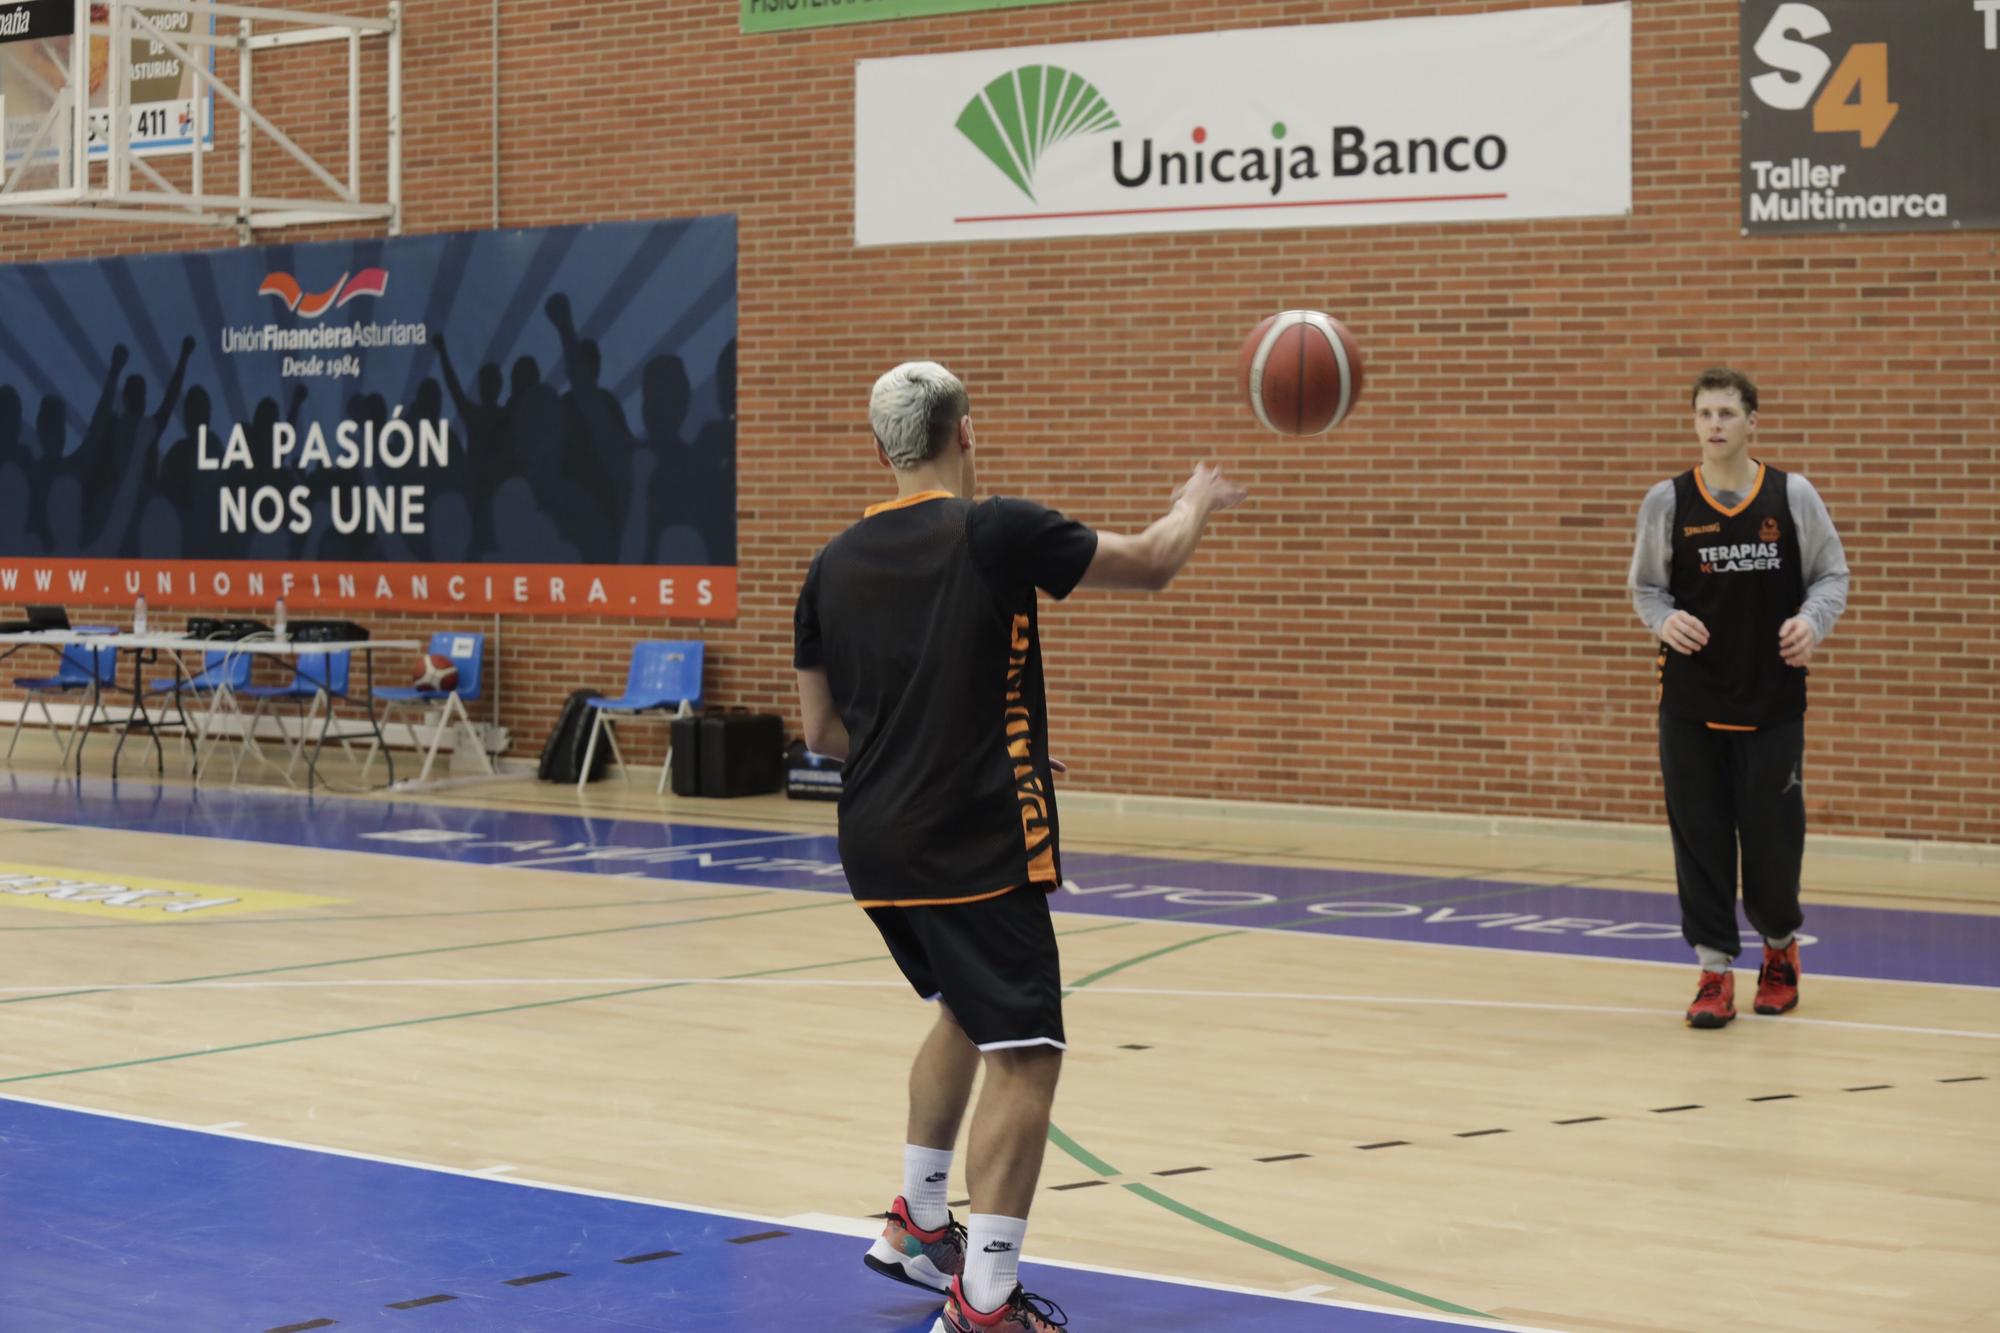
[[1144, 992], [1491, 949], [224, 1126], [804, 1221], [638, 853], [1681, 965], [363, 983], [1183, 923]]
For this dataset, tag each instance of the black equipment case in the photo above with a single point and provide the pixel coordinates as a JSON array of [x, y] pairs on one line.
[[684, 768], [739, 754]]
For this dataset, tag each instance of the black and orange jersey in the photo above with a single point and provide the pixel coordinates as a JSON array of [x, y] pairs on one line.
[[1737, 569], [922, 615]]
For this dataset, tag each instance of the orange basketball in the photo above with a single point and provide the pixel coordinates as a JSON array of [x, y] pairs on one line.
[[1300, 371]]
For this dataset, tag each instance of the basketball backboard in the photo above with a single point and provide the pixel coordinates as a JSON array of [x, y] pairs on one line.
[[91, 89]]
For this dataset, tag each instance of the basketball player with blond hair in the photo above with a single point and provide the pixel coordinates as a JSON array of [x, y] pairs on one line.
[[1739, 573], [919, 662]]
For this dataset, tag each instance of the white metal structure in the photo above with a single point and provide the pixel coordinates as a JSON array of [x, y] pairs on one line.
[[51, 170]]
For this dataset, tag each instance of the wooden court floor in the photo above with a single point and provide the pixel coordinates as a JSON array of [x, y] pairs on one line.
[[1413, 1124]]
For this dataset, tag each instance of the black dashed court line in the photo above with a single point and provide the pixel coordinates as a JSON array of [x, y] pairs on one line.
[[532, 1279], [649, 1258], [1135, 1048], [954, 1203], [420, 1301], [301, 1328], [1472, 1133], [756, 1236]]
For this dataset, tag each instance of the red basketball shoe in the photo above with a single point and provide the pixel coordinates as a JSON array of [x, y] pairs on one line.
[[908, 1253], [1715, 1003], [1023, 1313], [1778, 980]]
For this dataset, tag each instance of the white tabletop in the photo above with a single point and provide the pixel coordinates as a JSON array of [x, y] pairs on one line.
[[178, 643]]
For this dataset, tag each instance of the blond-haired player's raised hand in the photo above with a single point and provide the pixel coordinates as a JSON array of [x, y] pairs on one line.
[[1209, 490]]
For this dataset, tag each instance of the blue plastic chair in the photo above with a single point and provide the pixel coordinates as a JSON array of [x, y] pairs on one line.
[[79, 669], [664, 678], [220, 668], [316, 677], [467, 652]]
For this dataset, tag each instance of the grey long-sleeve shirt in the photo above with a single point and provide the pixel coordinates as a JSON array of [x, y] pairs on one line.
[[1819, 547]]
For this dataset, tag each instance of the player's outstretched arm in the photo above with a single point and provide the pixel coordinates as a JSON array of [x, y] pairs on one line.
[[825, 733], [1152, 558]]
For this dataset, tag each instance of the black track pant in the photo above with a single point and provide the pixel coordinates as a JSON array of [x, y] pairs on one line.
[[1726, 787]]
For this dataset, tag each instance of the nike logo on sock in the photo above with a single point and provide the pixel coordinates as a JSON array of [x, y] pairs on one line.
[[935, 1177], [998, 1247]]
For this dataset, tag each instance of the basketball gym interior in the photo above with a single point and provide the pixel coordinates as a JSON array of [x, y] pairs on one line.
[[395, 383]]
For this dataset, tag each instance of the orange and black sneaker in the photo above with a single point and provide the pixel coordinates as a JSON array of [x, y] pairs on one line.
[[1778, 980], [1023, 1313], [908, 1253], [1715, 1003]]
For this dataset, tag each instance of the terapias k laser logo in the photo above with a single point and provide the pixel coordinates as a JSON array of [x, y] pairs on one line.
[[1020, 114], [368, 282]]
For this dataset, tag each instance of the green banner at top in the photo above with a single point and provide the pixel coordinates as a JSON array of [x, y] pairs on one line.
[[779, 15]]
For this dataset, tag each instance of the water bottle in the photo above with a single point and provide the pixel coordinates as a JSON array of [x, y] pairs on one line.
[[139, 616], [278, 630]]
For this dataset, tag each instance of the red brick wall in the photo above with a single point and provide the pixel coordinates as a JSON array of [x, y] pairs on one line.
[[1425, 610]]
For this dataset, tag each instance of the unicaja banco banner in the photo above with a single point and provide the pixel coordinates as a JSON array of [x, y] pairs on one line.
[[1523, 114]]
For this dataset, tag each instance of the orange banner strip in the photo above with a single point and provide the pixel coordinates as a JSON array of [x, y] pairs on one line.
[[676, 592]]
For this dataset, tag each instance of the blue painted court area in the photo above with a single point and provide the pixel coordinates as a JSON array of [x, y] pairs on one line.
[[1577, 920], [121, 1224]]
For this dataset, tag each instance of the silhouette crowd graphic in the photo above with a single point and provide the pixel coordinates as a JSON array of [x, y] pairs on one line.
[[537, 473]]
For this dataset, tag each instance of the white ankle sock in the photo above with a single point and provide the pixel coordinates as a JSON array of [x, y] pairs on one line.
[[992, 1259], [1780, 945], [1712, 960], [927, 1184]]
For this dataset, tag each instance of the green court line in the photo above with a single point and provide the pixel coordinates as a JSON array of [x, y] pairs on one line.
[[1081, 1153], [1195, 1215], [1056, 1134], [1216, 1224], [418, 1022], [447, 948], [1104, 972]]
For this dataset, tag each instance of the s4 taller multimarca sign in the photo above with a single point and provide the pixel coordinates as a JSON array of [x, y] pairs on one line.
[[1871, 115], [1477, 118]]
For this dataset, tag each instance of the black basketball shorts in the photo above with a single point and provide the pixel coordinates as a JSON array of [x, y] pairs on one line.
[[993, 962]]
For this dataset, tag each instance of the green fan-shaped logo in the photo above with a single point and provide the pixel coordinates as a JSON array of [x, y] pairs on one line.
[[1019, 115]]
